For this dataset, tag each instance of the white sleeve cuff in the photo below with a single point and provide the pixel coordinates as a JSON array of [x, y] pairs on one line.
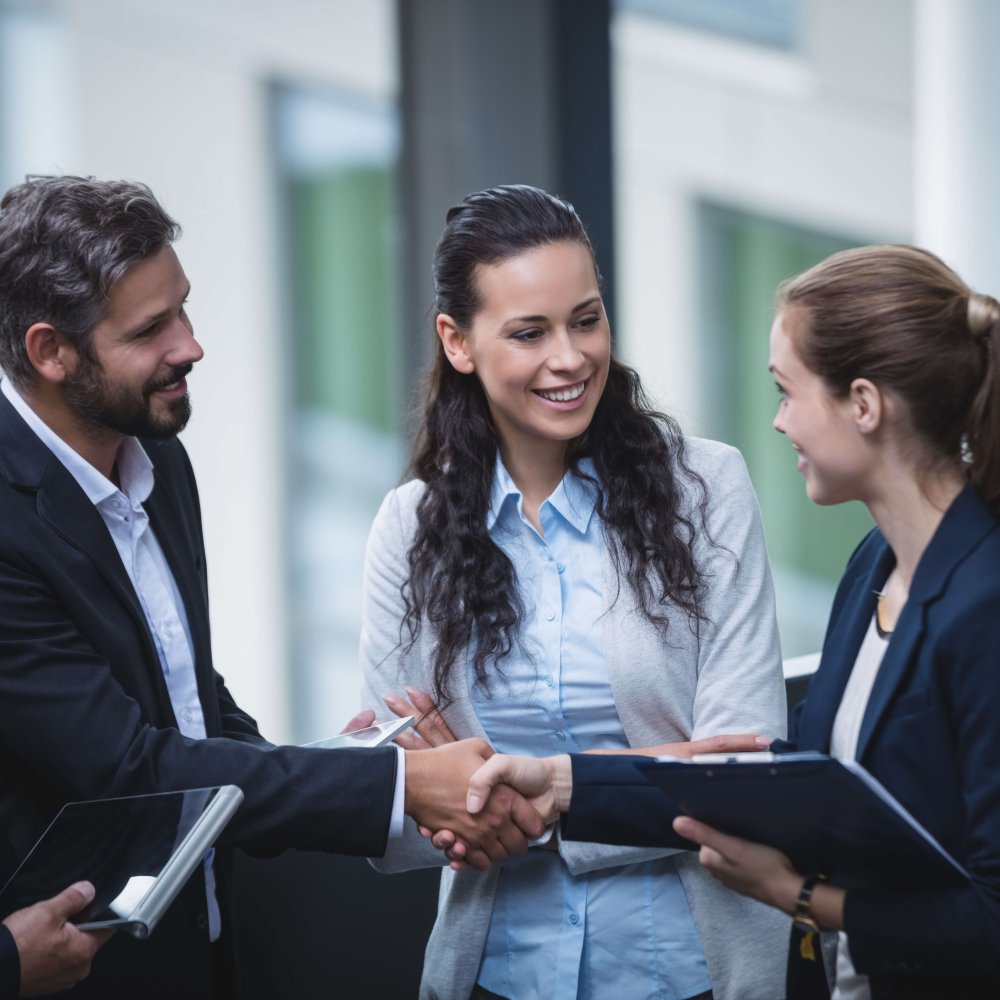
[[399, 795]]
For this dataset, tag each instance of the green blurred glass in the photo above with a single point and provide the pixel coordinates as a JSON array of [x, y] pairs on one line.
[[744, 258], [343, 290]]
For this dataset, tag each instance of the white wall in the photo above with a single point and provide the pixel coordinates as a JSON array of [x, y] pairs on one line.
[[174, 94], [821, 137]]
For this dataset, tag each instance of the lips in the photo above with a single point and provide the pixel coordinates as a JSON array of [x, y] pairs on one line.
[[172, 382], [564, 394]]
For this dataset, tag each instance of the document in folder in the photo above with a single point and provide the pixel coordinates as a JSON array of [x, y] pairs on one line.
[[137, 851], [828, 816]]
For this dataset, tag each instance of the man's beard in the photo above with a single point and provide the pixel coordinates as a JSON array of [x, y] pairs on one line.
[[119, 408]]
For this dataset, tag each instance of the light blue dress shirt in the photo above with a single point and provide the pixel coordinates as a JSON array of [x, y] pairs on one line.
[[618, 932]]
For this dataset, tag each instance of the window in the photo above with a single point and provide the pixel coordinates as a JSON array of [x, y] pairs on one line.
[[773, 23], [743, 259], [337, 169]]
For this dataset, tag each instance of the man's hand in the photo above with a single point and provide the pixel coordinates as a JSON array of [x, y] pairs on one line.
[[437, 782], [54, 954]]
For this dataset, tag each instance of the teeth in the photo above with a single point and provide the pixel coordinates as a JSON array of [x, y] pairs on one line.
[[563, 395]]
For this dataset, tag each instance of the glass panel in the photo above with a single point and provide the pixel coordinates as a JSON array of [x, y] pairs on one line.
[[337, 166], [36, 130], [744, 257], [775, 23]]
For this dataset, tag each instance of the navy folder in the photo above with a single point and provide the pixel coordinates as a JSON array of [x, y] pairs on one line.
[[828, 816]]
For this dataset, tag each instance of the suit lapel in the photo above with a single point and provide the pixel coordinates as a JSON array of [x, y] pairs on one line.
[[840, 648], [962, 528]]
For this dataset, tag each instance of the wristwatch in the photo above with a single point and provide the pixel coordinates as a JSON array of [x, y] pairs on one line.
[[803, 917]]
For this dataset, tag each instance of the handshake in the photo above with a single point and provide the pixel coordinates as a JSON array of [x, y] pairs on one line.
[[481, 807]]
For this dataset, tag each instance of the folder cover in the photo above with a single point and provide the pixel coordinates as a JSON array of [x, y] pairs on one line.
[[829, 816], [137, 851]]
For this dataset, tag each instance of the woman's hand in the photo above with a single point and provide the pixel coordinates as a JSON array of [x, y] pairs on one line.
[[760, 872], [723, 743], [431, 729]]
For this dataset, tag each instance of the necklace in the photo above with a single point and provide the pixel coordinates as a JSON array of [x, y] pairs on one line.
[[880, 616]]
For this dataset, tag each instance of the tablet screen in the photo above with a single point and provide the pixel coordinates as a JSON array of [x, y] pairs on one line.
[[119, 845]]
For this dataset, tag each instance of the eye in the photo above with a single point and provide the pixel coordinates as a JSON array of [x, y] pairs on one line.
[[526, 336], [781, 390], [589, 321]]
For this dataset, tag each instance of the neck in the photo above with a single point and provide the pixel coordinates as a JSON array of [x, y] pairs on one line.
[[95, 445], [909, 509], [536, 470]]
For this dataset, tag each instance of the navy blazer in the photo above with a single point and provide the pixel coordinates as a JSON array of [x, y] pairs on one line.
[[931, 735], [85, 713]]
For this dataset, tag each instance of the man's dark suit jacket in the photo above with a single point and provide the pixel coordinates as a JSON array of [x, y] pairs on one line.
[[930, 734], [10, 966], [84, 709]]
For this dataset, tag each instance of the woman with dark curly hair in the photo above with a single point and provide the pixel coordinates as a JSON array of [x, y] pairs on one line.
[[567, 572]]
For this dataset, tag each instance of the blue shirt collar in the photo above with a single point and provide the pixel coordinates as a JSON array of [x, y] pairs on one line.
[[573, 499]]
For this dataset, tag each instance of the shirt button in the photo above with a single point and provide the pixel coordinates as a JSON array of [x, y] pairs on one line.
[[560, 568], [574, 918], [561, 737], [187, 715], [549, 681], [551, 616]]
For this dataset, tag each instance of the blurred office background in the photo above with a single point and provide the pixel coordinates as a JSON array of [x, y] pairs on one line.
[[311, 147]]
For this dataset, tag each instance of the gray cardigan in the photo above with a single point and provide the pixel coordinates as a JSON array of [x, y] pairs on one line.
[[667, 688]]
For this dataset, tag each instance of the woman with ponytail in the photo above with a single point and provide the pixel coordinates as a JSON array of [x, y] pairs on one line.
[[567, 571], [887, 366]]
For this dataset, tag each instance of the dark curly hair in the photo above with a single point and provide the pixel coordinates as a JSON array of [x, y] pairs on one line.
[[64, 241], [460, 581]]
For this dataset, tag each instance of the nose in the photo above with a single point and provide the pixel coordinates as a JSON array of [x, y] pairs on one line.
[[184, 349], [565, 355], [779, 418]]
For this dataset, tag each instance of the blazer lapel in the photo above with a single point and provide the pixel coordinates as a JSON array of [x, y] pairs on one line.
[[962, 528], [840, 648]]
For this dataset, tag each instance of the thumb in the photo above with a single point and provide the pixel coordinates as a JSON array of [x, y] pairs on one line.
[[482, 782], [72, 900]]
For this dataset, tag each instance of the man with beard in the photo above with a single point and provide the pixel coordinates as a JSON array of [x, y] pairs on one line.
[[107, 685]]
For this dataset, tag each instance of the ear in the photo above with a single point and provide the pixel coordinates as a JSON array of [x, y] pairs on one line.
[[868, 405], [49, 352], [454, 343]]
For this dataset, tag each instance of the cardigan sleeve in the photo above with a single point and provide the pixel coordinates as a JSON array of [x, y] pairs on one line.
[[382, 656], [738, 683]]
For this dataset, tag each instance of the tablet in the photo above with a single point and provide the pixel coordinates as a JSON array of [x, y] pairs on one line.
[[371, 736], [137, 851]]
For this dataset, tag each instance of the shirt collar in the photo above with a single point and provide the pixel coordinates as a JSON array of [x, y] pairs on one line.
[[135, 470], [573, 499]]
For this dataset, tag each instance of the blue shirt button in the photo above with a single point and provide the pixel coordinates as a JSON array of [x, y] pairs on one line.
[[561, 737], [549, 681], [551, 616], [560, 568], [574, 918]]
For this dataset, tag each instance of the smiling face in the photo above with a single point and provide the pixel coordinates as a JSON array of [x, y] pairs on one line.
[[539, 344], [833, 454], [143, 348]]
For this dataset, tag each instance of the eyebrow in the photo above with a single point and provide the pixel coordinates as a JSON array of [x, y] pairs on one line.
[[541, 319]]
